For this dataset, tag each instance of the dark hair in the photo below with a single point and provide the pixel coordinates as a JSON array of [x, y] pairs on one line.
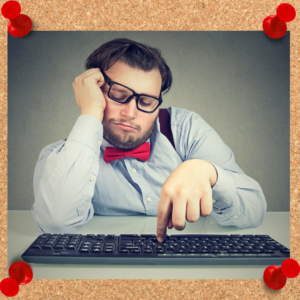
[[134, 54]]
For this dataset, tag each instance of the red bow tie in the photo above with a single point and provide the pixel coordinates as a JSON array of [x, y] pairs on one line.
[[142, 152]]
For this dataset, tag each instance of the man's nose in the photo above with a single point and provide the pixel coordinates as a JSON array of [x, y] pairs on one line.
[[130, 108]]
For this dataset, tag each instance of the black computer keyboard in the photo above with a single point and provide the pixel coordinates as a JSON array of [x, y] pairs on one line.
[[144, 249]]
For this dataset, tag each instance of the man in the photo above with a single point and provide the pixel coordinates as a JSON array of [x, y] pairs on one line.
[[119, 96]]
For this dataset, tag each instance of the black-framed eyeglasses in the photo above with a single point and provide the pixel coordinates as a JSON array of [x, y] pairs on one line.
[[123, 94]]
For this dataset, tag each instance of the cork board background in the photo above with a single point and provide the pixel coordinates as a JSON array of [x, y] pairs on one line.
[[147, 15]]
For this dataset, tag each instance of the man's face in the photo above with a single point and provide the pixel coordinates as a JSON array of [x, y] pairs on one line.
[[116, 113]]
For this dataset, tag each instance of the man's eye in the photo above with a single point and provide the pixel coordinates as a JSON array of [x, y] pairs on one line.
[[145, 104]]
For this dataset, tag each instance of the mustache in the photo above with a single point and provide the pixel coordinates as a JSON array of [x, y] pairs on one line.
[[124, 121]]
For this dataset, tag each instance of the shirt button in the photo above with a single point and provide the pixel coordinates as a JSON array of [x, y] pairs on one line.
[[91, 178], [214, 200], [133, 170], [99, 142], [235, 216], [149, 199]]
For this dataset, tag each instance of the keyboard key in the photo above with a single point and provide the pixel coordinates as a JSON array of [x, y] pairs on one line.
[[159, 251], [285, 251], [135, 251], [48, 247], [236, 255], [36, 247], [125, 243], [170, 251], [90, 236], [222, 255], [139, 244], [71, 247], [129, 247], [97, 250], [180, 251], [207, 255], [179, 255], [130, 236], [193, 255], [84, 250], [164, 255], [59, 247], [44, 236], [147, 251], [250, 255], [148, 235]]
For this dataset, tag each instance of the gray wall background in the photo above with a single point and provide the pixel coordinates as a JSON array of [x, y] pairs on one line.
[[237, 81]]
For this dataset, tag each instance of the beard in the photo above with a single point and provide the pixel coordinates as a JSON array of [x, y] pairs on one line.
[[126, 140]]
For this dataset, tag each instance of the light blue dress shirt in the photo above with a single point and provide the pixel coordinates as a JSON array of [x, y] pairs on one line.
[[72, 182]]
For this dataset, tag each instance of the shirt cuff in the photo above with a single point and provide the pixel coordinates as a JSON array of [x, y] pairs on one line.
[[87, 130], [224, 191]]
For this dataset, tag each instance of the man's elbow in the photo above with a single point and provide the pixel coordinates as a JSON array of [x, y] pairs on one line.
[[57, 226], [257, 217], [52, 224], [260, 215]]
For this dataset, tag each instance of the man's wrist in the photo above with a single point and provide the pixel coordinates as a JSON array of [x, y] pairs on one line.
[[212, 171], [214, 176], [96, 112]]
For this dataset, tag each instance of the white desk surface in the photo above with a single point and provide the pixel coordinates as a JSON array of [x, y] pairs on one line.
[[22, 231]]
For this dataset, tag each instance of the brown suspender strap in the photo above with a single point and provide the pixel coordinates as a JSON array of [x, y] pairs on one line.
[[165, 125]]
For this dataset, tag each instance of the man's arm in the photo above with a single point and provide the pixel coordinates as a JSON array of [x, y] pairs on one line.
[[208, 172], [65, 177], [239, 199]]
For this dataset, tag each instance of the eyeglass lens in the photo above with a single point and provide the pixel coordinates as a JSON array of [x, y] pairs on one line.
[[121, 94]]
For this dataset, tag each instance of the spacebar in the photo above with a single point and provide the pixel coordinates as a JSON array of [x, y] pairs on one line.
[[129, 247]]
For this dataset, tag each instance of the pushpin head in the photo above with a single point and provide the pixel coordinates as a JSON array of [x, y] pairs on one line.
[[274, 282], [11, 9], [21, 272], [286, 12], [275, 277], [275, 26], [290, 268], [9, 287], [19, 25]]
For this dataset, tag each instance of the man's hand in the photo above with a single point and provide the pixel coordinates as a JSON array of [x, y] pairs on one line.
[[185, 195], [88, 94]]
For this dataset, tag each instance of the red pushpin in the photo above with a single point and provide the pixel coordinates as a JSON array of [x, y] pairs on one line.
[[19, 25], [19, 273], [275, 277], [275, 26]]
